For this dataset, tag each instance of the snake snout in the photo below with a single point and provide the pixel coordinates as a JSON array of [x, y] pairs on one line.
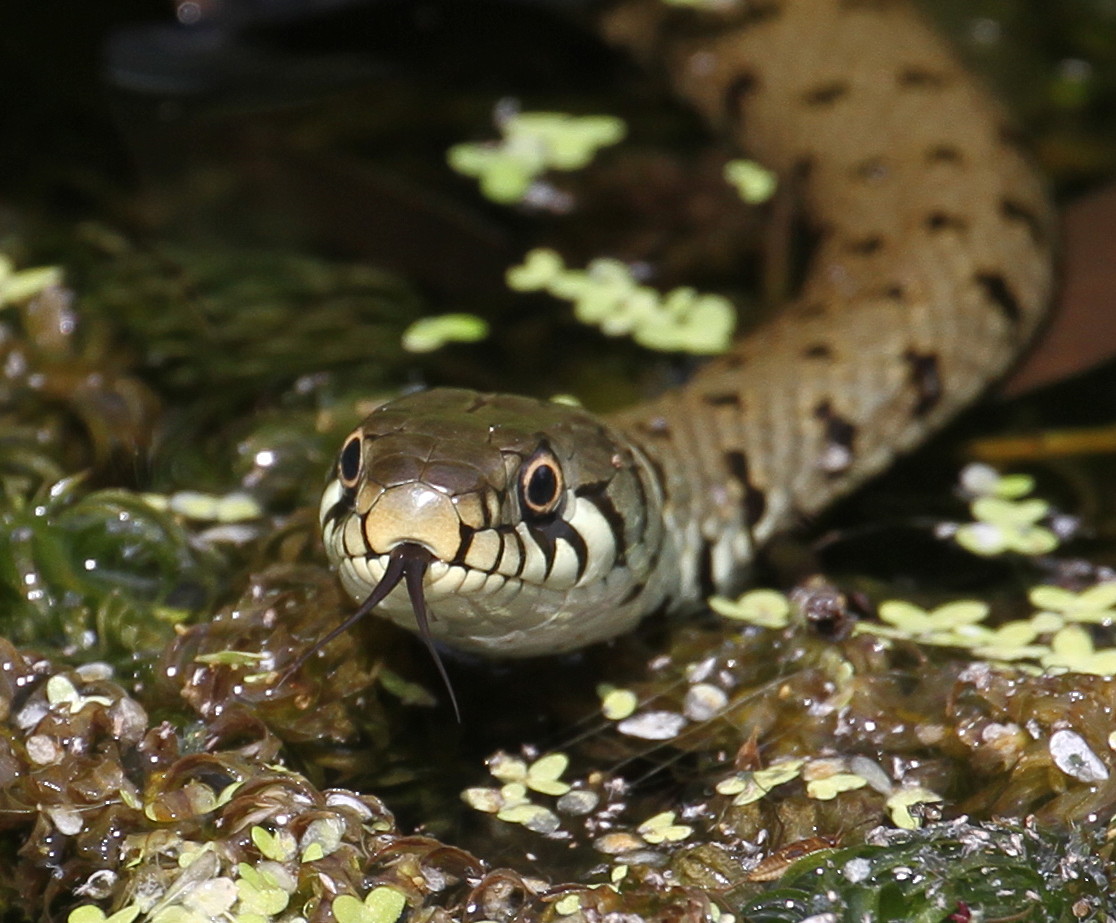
[[413, 514]]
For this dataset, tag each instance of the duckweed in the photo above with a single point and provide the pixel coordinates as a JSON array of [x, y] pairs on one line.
[[754, 183], [1006, 519], [607, 295], [430, 333], [533, 143]]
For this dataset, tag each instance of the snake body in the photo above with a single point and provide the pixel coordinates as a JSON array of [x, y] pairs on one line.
[[529, 528]]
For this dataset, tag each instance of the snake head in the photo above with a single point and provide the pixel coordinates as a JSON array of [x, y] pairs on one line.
[[515, 527]]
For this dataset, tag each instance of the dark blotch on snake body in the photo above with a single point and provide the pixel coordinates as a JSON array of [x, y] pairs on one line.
[[826, 94], [871, 170], [998, 291], [1014, 210], [723, 399], [921, 78], [944, 153], [943, 221], [737, 92], [926, 378], [839, 434], [755, 505], [865, 246]]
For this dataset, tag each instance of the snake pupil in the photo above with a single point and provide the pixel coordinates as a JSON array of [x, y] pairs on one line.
[[542, 486], [348, 465]]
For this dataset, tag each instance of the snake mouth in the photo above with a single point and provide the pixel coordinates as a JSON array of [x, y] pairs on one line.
[[407, 562]]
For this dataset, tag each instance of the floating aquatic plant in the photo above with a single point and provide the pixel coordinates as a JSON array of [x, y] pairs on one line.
[[606, 295], [1006, 519], [430, 333], [754, 183], [533, 143], [18, 285], [762, 608]]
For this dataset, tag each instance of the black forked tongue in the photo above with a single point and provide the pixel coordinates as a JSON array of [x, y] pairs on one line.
[[407, 562]]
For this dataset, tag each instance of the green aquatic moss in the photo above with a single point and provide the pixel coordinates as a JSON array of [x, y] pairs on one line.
[[953, 871]]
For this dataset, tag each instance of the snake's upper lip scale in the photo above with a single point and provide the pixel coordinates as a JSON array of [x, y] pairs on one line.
[[406, 562]]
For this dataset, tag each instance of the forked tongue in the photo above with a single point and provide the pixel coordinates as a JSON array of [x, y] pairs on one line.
[[407, 562]]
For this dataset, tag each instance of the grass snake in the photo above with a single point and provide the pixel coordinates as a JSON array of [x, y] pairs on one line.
[[512, 527]]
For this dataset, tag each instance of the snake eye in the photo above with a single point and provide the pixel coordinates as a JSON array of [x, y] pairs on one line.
[[540, 484], [349, 462]]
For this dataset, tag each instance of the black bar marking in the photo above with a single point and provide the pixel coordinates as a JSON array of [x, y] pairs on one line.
[[465, 539], [550, 533], [340, 508], [706, 586], [633, 593]]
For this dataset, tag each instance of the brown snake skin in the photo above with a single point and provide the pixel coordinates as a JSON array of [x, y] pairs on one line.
[[932, 271]]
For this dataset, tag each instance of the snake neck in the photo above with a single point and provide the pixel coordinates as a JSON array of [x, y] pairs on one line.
[[932, 271]]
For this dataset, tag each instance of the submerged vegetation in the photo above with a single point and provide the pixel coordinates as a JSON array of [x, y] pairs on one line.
[[845, 748]]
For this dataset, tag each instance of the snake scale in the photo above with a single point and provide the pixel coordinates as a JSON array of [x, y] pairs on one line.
[[513, 527]]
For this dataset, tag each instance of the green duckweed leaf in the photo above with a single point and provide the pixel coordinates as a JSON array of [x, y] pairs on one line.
[[617, 704], [763, 608], [748, 787], [900, 802], [830, 786], [279, 846], [544, 774], [1096, 604], [430, 333], [383, 904], [979, 480], [17, 286], [608, 296], [532, 143], [1072, 649], [538, 271], [662, 829], [567, 904], [754, 183]]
